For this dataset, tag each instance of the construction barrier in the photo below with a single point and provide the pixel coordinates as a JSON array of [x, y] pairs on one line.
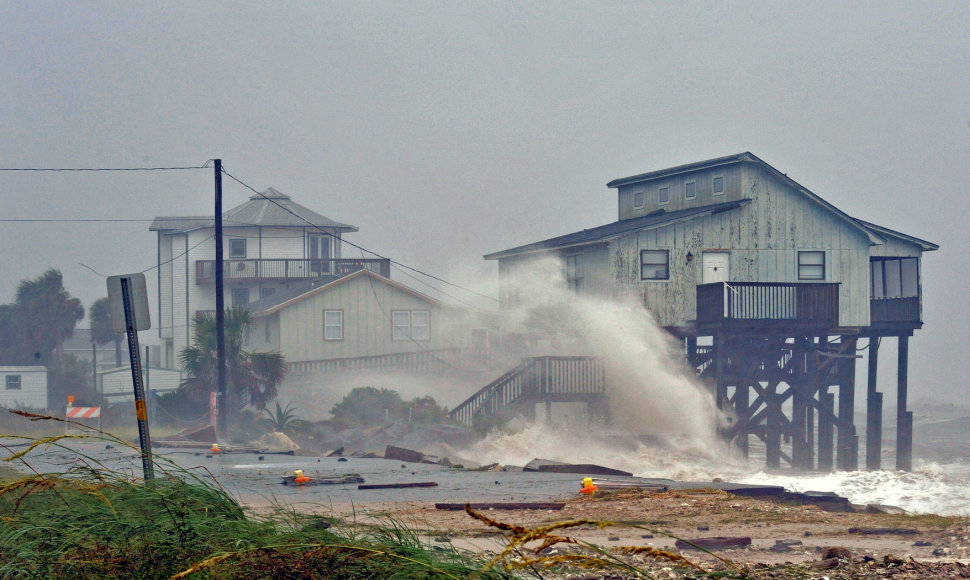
[[90, 416]]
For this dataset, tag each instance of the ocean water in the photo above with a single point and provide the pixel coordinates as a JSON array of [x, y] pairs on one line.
[[934, 486], [938, 484]]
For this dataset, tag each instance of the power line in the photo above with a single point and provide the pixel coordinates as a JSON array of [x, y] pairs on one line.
[[73, 220], [396, 263], [94, 169]]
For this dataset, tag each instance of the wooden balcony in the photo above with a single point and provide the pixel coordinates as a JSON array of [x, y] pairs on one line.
[[895, 312], [282, 270], [768, 304]]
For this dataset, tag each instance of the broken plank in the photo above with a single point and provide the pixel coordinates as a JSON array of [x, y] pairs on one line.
[[339, 480], [582, 468], [398, 485], [502, 506]]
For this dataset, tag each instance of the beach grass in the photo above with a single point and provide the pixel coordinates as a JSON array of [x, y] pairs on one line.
[[92, 522]]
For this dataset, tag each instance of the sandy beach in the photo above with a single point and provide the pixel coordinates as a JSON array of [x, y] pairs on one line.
[[786, 540]]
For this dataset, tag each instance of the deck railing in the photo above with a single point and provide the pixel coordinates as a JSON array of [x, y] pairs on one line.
[[534, 379], [287, 269], [813, 304]]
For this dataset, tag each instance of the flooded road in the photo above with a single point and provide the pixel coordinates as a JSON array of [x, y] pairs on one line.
[[256, 479]]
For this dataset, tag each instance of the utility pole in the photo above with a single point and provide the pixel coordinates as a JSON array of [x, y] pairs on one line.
[[222, 417]]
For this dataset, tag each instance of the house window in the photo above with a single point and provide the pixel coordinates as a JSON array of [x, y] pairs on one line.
[[654, 264], [267, 331], [664, 194], [333, 325], [411, 325], [638, 199], [575, 273], [237, 248], [718, 185], [266, 292], [690, 190], [240, 297], [895, 278], [13, 382], [811, 265]]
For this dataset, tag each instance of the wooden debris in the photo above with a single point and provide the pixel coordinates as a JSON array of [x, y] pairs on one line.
[[884, 531], [502, 506], [713, 543], [618, 484], [335, 480], [550, 466], [398, 485], [402, 454]]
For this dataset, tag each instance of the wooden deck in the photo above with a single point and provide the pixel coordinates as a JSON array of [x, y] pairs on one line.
[[765, 304], [286, 269]]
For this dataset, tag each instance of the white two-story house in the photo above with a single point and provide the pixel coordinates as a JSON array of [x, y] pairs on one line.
[[271, 243]]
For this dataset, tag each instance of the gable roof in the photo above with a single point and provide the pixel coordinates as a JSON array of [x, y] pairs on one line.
[[886, 232], [748, 157], [284, 298], [602, 233], [270, 208]]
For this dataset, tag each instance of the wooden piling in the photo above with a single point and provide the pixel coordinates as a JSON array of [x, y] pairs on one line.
[[873, 411], [904, 449], [826, 455]]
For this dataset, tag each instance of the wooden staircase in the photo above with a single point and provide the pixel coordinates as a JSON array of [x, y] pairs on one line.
[[548, 379]]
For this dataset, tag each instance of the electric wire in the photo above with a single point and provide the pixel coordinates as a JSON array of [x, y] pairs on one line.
[[399, 264], [98, 169]]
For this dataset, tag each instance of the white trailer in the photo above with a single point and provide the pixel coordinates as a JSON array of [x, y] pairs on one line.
[[23, 387]]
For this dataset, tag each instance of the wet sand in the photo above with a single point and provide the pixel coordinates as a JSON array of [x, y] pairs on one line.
[[785, 538]]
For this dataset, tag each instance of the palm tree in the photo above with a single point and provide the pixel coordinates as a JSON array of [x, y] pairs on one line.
[[101, 330], [252, 378]]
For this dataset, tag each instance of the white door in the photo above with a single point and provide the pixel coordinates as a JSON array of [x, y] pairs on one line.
[[716, 267]]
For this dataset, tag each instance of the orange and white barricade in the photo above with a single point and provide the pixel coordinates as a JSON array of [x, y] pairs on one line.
[[90, 416]]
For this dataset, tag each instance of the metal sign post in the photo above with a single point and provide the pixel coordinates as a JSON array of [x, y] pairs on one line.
[[131, 303]]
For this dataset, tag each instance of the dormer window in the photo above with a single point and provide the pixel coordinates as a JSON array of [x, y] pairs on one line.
[[638, 199], [690, 190], [717, 186]]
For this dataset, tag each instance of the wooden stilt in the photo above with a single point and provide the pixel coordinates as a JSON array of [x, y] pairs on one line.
[[847, 440], [873, 411], [744, 414], [904, 442], [773, 429], [826, 454]]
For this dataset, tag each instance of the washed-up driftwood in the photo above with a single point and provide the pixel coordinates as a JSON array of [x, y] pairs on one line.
[[502, 506], [583, 468], [884, 531], [335, 480], [398, 485], [713, 543], [618, 484], [550, 466], [402, 454]]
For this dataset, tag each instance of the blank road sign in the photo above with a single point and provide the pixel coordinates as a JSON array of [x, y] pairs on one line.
[[139, 302]]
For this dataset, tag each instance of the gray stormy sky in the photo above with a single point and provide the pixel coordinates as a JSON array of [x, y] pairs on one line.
[[449, 130]]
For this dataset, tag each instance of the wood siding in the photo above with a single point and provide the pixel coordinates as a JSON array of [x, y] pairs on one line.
[[763, 238], [367, 305], [703, 183]]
